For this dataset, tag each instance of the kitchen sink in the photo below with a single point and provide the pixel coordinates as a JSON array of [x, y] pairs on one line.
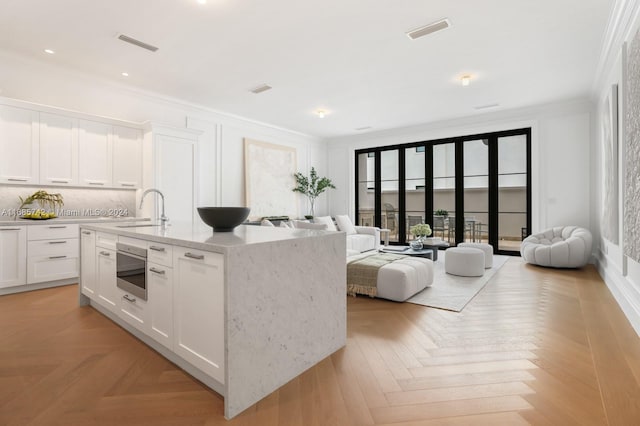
[[136, 226]]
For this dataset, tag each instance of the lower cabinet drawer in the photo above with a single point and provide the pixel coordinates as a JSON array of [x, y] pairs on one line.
[[52, 268], [133, 311], [62, 247]]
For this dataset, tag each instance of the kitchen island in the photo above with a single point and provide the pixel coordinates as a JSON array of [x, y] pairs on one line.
[[244, 312]]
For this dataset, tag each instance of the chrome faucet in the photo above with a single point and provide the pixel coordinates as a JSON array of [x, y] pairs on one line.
[[164, 219]]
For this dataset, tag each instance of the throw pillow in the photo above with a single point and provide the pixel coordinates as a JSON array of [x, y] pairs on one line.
[[283, 224], [266, 222], [327, 221], [345, 224], [299, 224]]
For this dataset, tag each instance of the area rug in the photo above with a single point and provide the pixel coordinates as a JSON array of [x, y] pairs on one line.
[[451, 292]]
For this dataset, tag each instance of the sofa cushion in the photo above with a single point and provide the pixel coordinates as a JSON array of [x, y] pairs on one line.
[[327, 221], [361, 242], [266, 222], [345, 224], [301, 224]]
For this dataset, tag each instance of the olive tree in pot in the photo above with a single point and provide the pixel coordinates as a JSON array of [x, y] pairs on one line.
[[312, 186]]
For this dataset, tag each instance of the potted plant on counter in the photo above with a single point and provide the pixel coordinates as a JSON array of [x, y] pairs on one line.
[[419, 231], [46, 202], [312, 186]]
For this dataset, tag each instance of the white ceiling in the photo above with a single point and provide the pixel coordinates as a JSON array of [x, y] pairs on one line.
[[349, 57]]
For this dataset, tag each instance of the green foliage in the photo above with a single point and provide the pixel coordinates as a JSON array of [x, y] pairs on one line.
[[441, 212], [312, 186], [43, 198], [420, 230]]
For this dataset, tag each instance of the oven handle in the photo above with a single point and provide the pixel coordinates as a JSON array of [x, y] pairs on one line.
[[124, 253]]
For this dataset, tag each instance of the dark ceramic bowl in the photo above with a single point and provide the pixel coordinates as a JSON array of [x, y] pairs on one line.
[[223, 219]]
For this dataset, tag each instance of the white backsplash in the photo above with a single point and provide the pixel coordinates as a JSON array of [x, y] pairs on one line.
[[78, 202]]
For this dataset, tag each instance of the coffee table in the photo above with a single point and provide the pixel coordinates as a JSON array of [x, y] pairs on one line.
[[428, 250]]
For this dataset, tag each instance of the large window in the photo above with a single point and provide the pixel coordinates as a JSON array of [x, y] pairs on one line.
[[468, 188]]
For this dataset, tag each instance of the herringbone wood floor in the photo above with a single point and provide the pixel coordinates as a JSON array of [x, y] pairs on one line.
[[536, 346]]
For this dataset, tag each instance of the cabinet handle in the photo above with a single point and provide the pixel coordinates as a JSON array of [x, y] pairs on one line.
[[57, 242], [86, 232], [157, 271], [59, 181], [105, 253], [9, 229], [156, 248], [57, 257], [194, 256], [57, 227], [96, 183], [128, 299], [16, 180], [130, 185]]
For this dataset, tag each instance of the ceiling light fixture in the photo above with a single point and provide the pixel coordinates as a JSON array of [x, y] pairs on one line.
[[49, 51], [486, 106], [125, 74], [136, 42], [442, 24], [261, 88], [363, 128], [465, 80], [321, 113], [202, 1]]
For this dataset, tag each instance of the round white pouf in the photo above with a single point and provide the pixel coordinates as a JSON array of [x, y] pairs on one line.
[[464, 261], [486, 248]]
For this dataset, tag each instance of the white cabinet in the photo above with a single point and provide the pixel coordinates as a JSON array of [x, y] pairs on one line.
[[133, 310], [19, 145], [13, 256], [95, 153], [88, 263], [52, 253], [108, 293], [58, 149], [160, 302], [127, 157], [198, 309]]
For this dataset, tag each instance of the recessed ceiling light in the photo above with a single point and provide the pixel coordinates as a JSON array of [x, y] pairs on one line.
[[202, 1], [261, 88], [321, 113], [429, 29], [49, 51], [125, 74], [465, 80]]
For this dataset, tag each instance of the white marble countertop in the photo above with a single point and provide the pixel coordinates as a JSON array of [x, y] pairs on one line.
[[70, 219], [202, 237]]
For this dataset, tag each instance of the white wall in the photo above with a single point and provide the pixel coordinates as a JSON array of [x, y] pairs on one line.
[[560, 157], [221, 167], [621, 274]]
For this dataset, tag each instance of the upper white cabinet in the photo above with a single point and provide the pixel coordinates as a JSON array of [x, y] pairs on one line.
[[58, 149], [127, 157], [39, 145], [95, 153], [19, 145]]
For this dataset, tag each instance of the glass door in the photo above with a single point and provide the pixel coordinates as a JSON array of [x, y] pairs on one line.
[[366, 188], [414, 187], [444, 191], [476, 190], [389, 193]]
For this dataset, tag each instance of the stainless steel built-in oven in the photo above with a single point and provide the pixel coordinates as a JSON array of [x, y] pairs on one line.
[[131, 266]]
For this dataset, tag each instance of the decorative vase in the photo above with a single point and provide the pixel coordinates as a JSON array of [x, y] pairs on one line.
[[416, 244]]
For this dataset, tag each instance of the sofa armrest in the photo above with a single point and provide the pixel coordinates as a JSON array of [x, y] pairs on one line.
[[370, 230]]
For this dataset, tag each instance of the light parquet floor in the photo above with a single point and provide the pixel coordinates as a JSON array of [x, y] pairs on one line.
[[536, 346]]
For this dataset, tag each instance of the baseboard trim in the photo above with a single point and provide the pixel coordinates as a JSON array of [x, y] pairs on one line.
[[37, 286], [623, 292]]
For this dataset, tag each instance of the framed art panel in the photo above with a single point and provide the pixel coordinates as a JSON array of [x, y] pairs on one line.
[[269, 179], [631, 230]]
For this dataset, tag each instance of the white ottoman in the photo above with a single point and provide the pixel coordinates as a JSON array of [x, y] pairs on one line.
[[464, 261], [486, 248], [403, 278]]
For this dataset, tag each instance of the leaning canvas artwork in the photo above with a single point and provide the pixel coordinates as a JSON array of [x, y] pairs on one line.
[[632, 152], [609, 122]]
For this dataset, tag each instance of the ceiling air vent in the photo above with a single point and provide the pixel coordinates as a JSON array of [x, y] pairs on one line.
[[137, 42], [261, 88], [428, 29], [487, 106]]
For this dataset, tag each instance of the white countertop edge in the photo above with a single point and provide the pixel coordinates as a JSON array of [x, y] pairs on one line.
[[203, 238], [71, 220]]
